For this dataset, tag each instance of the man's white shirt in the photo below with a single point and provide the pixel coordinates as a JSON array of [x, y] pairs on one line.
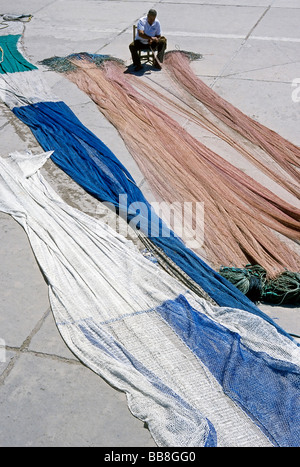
[[153, 30]]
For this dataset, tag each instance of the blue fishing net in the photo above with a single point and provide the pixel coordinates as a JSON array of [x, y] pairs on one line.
[[88, 161]]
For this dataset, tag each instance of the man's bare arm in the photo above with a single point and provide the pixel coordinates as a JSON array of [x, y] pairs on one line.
[[145, 36]]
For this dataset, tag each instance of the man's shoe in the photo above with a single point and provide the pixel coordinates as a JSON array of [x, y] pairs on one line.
[[138, 67], [156, 65]]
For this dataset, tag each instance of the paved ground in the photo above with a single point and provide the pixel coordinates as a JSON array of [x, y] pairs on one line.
[[251, 57]]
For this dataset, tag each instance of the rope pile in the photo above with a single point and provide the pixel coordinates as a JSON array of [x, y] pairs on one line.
[[253, 281]]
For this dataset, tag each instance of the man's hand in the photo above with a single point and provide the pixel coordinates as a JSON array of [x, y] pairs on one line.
[[153, 39]]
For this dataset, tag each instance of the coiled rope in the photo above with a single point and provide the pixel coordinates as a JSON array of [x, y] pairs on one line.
[[284, 289]]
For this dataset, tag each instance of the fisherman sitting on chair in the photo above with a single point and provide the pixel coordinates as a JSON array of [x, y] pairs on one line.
[[148, 36]]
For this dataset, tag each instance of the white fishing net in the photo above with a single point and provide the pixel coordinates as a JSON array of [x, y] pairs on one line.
[[105, 296]]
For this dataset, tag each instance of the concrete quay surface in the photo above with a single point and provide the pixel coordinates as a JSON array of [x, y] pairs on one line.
[[251, 57]]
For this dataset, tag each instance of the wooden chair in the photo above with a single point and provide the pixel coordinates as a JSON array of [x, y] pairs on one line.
[[146, 55]]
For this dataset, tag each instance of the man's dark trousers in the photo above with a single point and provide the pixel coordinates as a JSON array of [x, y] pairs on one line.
[[137, 45]]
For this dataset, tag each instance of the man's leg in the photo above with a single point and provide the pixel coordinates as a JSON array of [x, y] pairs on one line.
[[134, 49], [161, 47]]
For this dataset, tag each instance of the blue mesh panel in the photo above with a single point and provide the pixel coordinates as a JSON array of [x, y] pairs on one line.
[[266, 388], [182, 418]]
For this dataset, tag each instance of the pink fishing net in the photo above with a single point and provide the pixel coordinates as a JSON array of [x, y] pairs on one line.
[[282, 151], [244, 221]]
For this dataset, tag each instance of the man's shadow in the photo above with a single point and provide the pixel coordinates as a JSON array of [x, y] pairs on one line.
[[146, 69]]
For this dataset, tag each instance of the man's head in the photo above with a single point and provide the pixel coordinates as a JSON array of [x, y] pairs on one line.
[[151, 16]]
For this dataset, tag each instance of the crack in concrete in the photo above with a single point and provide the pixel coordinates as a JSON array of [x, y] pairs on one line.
[[241, 45], [23, 347], [45, 6], [259, 69], [3, 126], [125, 29]]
